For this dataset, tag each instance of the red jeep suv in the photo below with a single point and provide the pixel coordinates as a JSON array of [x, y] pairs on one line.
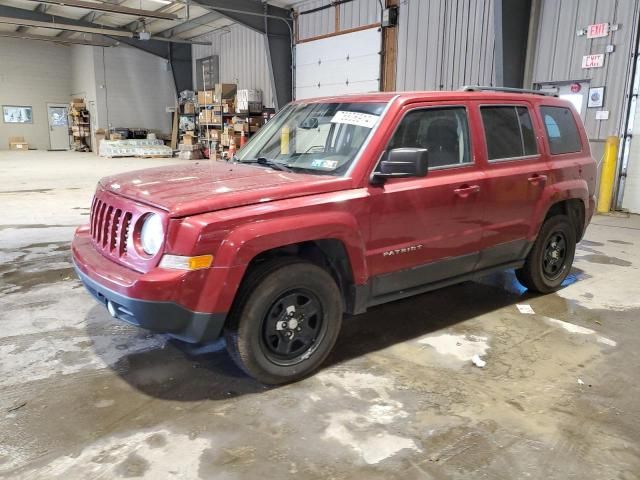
[[336, 205]]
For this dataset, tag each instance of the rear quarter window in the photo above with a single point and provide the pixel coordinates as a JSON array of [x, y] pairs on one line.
[[561, 129]]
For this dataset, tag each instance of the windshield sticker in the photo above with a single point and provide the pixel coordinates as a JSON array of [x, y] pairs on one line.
[[355, 118], [331, 164]]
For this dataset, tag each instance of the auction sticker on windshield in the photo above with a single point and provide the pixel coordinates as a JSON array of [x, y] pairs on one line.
[[355, 118]]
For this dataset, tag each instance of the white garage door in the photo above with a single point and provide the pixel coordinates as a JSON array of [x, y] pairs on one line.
[[631, 198], [348, 63]]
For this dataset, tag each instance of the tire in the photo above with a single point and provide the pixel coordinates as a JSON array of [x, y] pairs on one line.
[[544, 271], [269, 340]]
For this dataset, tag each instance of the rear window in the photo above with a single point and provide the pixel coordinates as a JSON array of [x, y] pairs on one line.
[[561, 129], [509, 132]]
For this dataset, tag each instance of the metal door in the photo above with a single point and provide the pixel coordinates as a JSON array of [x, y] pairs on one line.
[[57, 115]]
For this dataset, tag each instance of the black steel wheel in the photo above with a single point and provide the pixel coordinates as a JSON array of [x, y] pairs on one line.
[[292, 327], [284, 321], [555, 255], [550, 259]]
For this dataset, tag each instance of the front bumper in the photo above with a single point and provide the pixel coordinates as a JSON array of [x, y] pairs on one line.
[[161, 316]]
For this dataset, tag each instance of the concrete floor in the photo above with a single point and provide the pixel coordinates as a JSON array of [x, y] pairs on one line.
[[83, 396]]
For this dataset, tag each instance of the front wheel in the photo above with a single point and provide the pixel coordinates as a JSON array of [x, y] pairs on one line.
[[285, 321], [550, 259]]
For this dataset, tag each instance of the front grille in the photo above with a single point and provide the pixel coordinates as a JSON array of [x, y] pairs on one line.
[[110, 227]]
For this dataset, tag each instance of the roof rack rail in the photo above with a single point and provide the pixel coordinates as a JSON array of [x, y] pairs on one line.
[[480, 88]]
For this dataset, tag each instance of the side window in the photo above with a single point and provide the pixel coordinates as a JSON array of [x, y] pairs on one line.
[[444, 132], [509, 132], [561, 129]]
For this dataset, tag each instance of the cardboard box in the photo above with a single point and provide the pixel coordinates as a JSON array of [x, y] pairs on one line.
[[241, 127], [213, 134], [225, 139], [249, 101], [189, 108], [18, 143], [189, 139], [77, 104], [247, 95], [225, 91], [205, 97], [210, 117], [99, 135], [224, 107]]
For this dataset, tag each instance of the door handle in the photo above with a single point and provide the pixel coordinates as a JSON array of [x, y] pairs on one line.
[[535, 179], [466, 190]]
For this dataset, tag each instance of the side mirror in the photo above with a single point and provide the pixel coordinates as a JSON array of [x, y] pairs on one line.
[[403, 163]]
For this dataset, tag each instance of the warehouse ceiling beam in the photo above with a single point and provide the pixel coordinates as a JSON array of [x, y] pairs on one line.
[[190, 24], [63, 41], [169, 8], [111, 8], [276, 25], [39, 8], [64, 26], [69, 24], [175, 53]]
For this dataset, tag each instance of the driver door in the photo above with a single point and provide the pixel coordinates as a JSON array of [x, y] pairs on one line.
[[428, 230]]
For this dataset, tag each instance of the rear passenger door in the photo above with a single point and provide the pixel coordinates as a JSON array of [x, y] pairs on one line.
[[517, 171]]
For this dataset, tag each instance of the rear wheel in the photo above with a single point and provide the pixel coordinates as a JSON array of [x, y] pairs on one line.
[[285, 321], [551, 257]]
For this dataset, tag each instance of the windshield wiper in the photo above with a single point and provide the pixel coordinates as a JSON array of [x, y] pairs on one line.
[[269, 163]]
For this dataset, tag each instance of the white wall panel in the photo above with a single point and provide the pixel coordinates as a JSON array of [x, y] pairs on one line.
[[83, 78], [32, 73], [348, 63], [631, 199], [133, 89], [243, 58]]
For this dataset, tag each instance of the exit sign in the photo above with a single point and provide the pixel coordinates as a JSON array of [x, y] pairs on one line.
[[598, 30], [593, 61]]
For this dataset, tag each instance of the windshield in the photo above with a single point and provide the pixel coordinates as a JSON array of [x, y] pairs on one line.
[[321, 138]]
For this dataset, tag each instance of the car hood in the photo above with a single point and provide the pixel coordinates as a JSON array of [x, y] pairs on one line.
[[207, 186]]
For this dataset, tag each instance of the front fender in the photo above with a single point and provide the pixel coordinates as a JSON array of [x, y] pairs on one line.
[[247, 241]]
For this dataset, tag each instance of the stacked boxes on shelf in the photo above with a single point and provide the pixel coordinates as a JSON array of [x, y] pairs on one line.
[[227, 114], [80, 125], [249, 101]]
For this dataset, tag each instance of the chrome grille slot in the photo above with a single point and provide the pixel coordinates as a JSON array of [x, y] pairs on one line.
[[110, 227], [114, 228], [124, 233]]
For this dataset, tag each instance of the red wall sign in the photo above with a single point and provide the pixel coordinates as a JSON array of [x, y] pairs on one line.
[[598, 30]]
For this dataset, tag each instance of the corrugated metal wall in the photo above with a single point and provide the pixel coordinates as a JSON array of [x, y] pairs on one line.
[[353, 14], [559, 52], [243, 59], [444, 44]]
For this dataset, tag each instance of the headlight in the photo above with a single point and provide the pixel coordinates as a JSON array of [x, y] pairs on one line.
[[151, 234]]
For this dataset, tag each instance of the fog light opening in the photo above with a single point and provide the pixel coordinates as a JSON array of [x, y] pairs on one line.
[[112, 309]]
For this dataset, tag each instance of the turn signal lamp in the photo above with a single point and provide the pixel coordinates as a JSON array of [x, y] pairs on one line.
[[186, 263]]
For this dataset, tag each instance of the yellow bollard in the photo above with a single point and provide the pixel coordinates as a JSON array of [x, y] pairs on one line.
[[284, 140], [607, 177]]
